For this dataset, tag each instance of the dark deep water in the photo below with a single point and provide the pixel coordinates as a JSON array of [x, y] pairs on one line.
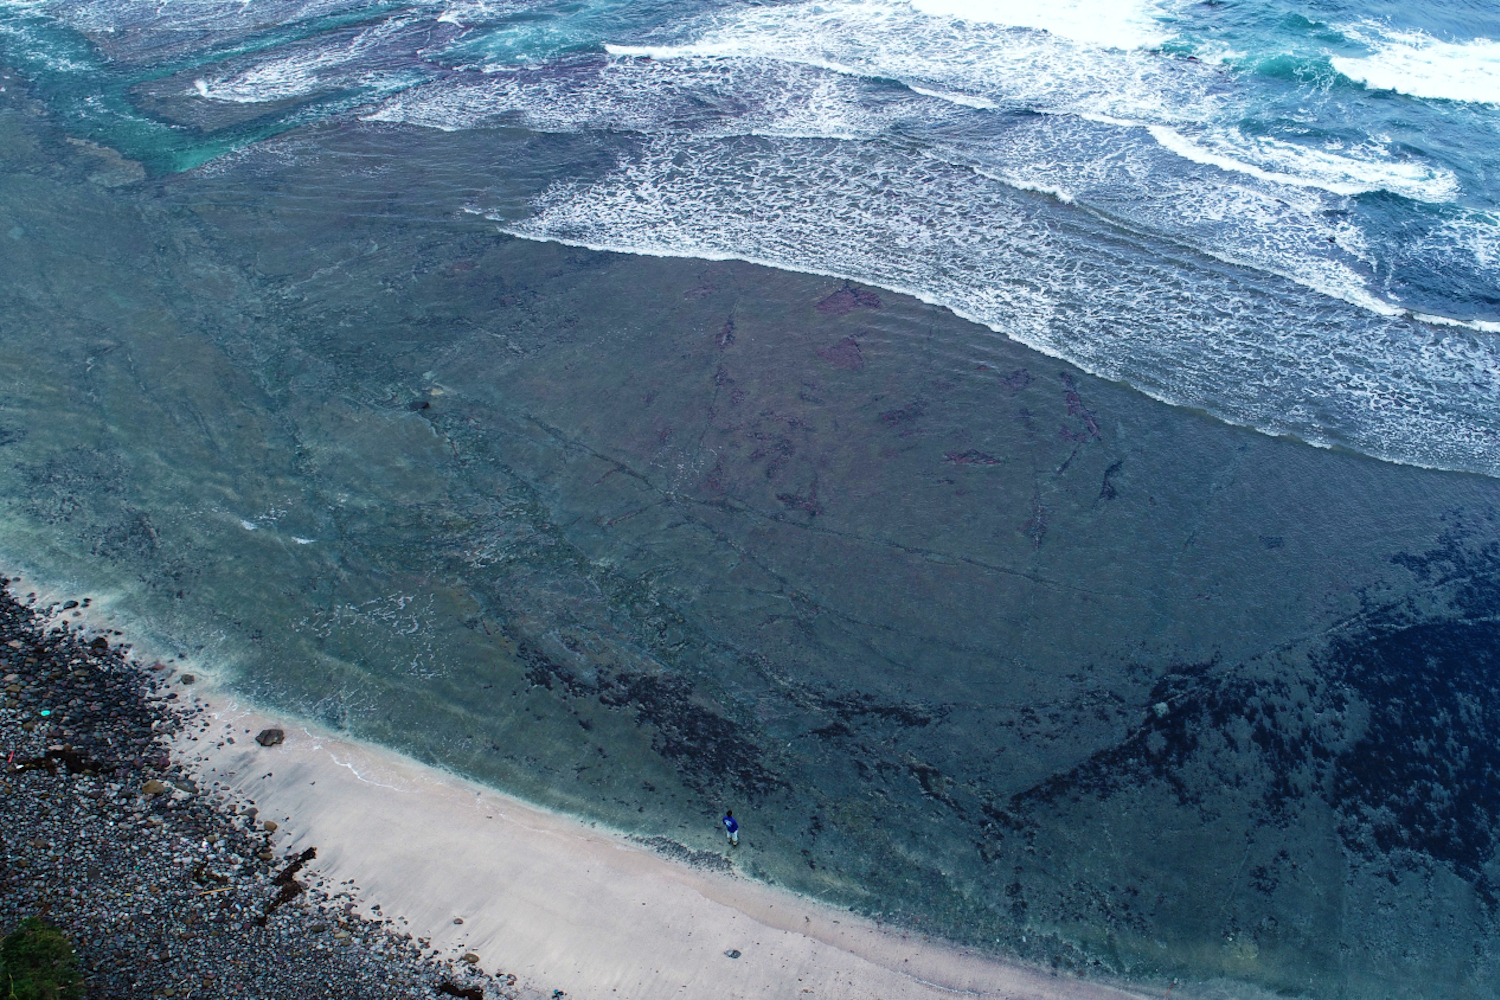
[[974, 639]]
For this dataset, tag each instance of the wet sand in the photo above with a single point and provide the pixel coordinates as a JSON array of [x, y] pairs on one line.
[[564, 905]]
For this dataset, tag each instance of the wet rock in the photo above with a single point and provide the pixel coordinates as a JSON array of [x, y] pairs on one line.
[[113, 169], [188, 678], [270, 737], [471, 958]]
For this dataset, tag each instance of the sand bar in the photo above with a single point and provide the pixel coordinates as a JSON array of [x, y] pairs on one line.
[[563, 905]]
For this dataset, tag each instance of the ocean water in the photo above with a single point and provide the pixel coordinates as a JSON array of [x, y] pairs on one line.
[[1037, 463]]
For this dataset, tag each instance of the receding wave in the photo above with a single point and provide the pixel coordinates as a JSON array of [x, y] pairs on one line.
[[980, 60], [1346, 172], [1278, 358], [1279, 222], [1418, 65], [1005, 148], [1111, 24]]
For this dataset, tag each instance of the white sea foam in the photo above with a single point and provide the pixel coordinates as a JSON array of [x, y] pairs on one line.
[[878, 140], [982, 61], [19, 23], [278, 79], [1115, 24], [699, 96], [338, 62], [1278, 221], [964, 100], [1280, 359], [151, 23], [984, 66], [1419, 65], [1345, 172]]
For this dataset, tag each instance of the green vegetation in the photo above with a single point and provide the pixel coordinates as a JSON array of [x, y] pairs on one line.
[[37, 963]]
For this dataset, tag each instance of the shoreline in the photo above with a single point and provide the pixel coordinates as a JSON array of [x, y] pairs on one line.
[[562, 903], [525, 894], [167, 887]]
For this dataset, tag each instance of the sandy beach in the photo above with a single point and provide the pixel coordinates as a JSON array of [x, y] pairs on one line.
[[560, 904]]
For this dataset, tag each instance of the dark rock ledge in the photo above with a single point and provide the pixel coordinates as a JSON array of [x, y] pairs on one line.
[[167, 889]]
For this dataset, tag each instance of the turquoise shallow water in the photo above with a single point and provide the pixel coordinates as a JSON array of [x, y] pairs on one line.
[[316, 382]]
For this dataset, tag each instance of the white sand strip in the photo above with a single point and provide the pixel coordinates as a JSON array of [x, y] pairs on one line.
[[565, 906]]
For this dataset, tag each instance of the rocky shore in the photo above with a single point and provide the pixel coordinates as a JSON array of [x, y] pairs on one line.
[[167, 888]]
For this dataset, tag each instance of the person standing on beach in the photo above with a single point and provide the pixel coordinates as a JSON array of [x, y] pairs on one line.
[[732, 827]]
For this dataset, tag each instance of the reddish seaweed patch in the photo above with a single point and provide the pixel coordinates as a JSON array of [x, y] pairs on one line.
[[848, 299], [903, 415], [844, 354], [807, 503], [1077, 409]]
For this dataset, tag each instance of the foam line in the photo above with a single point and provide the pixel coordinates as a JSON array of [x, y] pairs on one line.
[[1278, 358], [1343, 175], [1418, 65], [1112, 24]]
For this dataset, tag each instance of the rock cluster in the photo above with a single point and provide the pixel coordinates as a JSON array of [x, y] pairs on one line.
[[167, 889]]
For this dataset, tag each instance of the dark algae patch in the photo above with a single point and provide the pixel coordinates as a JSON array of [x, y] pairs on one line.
[[709, 750], [1339, 777]]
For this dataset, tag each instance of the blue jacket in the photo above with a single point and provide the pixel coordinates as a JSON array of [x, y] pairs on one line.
[[730, 824]]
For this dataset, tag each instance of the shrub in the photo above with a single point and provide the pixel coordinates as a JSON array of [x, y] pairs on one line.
[[37, 963]]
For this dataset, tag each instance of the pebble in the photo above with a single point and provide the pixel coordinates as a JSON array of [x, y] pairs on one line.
[[165, 895]]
